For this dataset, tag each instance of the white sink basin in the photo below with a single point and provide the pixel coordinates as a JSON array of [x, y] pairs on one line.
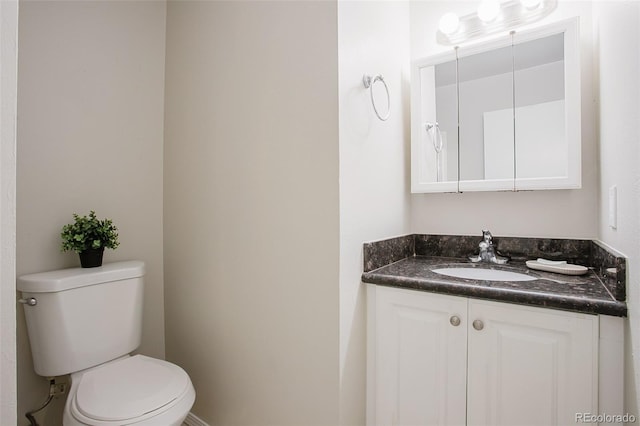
[[484, 274]]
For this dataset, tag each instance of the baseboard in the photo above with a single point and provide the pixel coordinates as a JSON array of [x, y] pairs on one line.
[[193, 420]]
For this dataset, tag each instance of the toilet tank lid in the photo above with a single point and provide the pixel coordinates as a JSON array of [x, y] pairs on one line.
[[65, 279]]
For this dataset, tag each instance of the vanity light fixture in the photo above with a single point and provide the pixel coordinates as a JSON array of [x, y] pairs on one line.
[[488, 10], [530, 4], [491, 17], [449, 23]]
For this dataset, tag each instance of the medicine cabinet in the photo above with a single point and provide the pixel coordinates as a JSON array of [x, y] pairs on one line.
[[502, 115]]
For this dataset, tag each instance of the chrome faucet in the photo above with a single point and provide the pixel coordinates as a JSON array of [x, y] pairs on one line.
[[488, 251]]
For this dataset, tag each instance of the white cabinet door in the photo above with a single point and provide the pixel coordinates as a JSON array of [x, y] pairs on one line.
[[417, 363], [530, 366]]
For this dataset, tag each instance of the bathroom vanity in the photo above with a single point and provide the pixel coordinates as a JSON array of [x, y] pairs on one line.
[[443, 350]]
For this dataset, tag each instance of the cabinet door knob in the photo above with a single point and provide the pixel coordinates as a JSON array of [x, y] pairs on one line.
[[455, 320], [478, 325]]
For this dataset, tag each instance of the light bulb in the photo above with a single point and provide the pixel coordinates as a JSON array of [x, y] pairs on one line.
[[530, 4], [449, 23], [488, 10]]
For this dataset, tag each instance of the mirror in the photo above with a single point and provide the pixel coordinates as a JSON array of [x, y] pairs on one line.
[[436, 154], [486, 122], [539, 108], [507, 114]]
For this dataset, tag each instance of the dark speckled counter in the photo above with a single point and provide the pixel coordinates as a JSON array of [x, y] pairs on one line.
[[395, 263]]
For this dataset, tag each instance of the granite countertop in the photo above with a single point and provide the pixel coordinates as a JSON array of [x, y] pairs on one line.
[[589, 293]]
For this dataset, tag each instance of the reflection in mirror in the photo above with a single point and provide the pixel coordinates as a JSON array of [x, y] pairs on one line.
[[439, 146], [486, 133], [447, 119], [434, 124], [542, 147]]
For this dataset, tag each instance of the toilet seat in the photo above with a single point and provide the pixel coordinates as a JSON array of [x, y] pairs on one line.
[[128, 390]]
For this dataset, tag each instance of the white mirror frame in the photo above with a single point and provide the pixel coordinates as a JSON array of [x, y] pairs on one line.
[[573, 180]]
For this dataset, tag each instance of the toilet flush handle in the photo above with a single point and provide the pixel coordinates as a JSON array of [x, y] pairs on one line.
[[31, 301]]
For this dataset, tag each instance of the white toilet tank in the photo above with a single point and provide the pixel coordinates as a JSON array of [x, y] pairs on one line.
[[83, 316]]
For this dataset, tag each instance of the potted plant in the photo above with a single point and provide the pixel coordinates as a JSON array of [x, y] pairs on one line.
[[88, 236]]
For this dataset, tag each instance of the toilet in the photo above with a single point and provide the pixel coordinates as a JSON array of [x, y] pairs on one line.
[[86, 322]]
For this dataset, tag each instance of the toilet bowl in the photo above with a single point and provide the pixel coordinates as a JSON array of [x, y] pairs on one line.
[[133, 390]]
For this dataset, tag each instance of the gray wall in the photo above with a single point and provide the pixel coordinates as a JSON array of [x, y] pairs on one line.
[[251, 213], [90, 132]]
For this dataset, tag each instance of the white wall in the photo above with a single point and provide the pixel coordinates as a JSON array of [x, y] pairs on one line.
[[251, 209], [373, 38], [560, 213], [90, 132], [8, 96], [617, 38]]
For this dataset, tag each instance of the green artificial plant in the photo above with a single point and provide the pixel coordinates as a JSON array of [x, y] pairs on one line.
[[89, 233]]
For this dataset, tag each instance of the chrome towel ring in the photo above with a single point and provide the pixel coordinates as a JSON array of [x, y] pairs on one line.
[[368, 82]]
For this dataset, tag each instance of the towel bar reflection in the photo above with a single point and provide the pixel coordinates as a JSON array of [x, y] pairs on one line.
[[433, 130], [369, 82]]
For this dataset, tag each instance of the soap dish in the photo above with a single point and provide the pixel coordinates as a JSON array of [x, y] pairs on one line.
[[559, 267]]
